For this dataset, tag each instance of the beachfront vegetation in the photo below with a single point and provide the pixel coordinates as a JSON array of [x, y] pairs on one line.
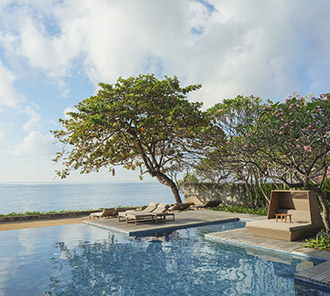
[[30, 213], [245, 210], [138, 123], [288, 142]]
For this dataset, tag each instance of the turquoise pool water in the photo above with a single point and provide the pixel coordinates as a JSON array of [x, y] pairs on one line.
[[84, 260]]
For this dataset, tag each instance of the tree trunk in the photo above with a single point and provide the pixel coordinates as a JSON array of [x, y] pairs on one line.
[[325, 211], [163, 179], [325, 207]]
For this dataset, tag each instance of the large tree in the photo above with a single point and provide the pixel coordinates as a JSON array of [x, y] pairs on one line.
[[293, 138], [227, 161], [138, 123], [288, 142]]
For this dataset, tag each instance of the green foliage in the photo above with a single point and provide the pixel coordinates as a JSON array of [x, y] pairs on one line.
[[226, 161], [295, 136], [242, 209], [27, 213], [288, 142], [326, 189], [321, 242], [138, 123]]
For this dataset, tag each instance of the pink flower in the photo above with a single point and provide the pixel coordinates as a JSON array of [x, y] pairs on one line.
[[290, 107], [297, 140], [281, 133], [308, 148], [290, 113], [245, 146], [309, 126], [282, 119], [220, 110], [286, 124], [227, 142], [292, 127], [282, 127], [298, 146], [314, 129]]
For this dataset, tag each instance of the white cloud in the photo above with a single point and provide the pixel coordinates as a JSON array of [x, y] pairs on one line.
[[9, 97], [37, 145], [34, 119], [238, 47], [2, 137], [264, 48]]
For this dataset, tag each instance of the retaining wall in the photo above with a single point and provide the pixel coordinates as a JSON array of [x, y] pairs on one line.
[[233, 194]]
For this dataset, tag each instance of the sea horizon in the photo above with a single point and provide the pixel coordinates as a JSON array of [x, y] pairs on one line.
[[71, 196]]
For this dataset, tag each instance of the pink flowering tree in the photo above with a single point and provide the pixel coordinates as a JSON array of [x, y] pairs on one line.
[[290, 142]]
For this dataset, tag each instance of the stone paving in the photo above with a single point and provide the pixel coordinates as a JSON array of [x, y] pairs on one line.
[[183, 219], [241, 237]]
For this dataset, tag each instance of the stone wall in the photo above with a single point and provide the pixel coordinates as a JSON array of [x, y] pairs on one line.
[[230, 193]]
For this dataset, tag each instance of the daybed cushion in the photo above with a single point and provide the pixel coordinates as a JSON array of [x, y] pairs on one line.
[[297, 215], [271, 224]]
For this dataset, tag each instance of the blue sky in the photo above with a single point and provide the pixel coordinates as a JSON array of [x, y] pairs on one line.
[[54, 53]]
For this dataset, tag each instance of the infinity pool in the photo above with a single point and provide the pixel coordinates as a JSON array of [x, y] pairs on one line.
[[84, 260]]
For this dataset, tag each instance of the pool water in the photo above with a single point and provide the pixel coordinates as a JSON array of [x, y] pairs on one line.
[[84, 260]]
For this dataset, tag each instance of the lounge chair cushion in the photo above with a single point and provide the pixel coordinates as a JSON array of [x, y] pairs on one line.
[[150, 208], [104, 213]]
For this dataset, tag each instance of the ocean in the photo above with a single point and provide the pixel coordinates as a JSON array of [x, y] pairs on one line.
[[20, 198]]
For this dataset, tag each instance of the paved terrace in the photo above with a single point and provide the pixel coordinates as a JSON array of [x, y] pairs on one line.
[[319, 274], [183, 219]]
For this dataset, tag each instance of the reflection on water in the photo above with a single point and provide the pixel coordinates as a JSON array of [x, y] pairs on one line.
[[180, 263]]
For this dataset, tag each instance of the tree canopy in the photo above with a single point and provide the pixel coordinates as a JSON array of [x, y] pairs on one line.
[[287, 142], [138, 123]]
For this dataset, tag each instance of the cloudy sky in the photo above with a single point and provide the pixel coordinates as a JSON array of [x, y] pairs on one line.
[[54, 53]]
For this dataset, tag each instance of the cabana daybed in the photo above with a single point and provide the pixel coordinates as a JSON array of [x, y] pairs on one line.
[[299, 206]]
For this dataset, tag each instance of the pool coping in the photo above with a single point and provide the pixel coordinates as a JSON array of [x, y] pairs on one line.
[[318, 275]]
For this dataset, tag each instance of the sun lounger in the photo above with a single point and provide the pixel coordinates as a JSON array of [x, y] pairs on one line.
[[175, 207], [208, 204], [149, 209], [140, 217], [186, 206], [104, 214], [300, 205], [179, 206], [161, 212], [158, 214]]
